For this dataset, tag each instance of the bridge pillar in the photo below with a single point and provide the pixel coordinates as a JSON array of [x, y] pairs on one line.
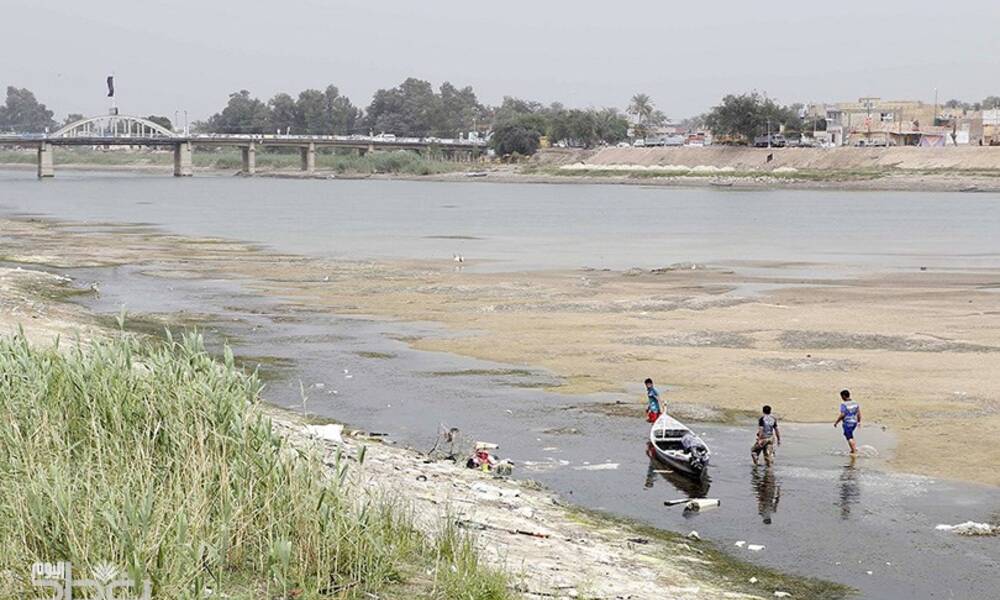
[[46, 167], [182, 160], [308, 155], [249, 159]]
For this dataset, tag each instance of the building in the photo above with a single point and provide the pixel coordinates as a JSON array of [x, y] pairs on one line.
[[990, 125], [870, 120]]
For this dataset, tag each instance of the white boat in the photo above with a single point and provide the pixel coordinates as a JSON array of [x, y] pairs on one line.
[[677, 446]]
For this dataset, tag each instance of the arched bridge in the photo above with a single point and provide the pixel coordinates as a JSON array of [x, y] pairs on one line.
[[113, 126], [127, 130]]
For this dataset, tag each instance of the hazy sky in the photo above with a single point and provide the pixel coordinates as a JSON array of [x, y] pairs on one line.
[[190, 54]]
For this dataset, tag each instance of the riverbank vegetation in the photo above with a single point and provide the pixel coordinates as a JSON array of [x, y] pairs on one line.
[[155, 458]]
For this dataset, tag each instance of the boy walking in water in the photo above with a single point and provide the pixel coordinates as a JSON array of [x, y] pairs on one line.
[[767, 434], [850, 415], [653, 408]]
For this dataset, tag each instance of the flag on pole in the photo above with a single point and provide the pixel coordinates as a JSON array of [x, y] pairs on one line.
[[111, 86]]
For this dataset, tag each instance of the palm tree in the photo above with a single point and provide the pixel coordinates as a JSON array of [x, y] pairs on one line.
[[642, 107], [645, 113]]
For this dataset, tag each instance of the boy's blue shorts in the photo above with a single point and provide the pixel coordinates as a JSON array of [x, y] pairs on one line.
[[849, 431]]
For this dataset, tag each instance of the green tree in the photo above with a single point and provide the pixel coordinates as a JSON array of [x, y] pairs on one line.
[[748, 115], [460, 111], [284, 115], [646, 114], [409, 109], [242, 114], [161, 121], [578, 128], [610, 125], [325, 112], [23, 113], [518, 135], [512, 108]]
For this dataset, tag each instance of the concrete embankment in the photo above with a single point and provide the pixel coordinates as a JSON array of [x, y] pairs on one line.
[[974, 158]]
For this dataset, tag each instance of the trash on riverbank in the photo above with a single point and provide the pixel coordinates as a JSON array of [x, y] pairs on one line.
[[755, 547], [330, 433], [970, 528], [701, 504]]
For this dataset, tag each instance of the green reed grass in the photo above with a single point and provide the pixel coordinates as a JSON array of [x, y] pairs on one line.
[[155, 457]]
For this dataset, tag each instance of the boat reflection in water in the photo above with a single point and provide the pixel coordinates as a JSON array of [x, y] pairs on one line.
[[688, 486]]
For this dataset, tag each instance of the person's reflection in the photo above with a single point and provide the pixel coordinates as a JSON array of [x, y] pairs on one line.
[[767, 489], [850, 491]]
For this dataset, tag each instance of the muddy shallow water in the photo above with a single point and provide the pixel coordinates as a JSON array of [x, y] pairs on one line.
[[817, 512]]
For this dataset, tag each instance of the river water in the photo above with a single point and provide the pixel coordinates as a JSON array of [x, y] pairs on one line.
[[817, 513]]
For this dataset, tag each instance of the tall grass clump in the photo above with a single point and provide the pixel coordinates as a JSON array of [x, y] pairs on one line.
[[154, 457]]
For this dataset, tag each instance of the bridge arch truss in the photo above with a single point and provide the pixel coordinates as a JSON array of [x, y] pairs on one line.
[[114, 126]]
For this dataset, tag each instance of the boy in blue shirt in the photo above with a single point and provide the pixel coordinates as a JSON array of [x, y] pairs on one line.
[[850, 415], [653, 408]]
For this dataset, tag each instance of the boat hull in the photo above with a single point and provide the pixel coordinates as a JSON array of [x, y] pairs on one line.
[[667, 437]]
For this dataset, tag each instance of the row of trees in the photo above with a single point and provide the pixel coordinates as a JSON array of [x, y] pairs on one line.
[[413, 108], [518, 126], [313, 111]]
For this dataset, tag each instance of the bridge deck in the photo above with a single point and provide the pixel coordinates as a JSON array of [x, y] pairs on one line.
[[362, 142]]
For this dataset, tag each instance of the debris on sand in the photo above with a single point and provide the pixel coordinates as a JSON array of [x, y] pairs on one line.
[[694, 536], [740, 543], [700, 504], [755, 547], [970, 528], [329, 433]]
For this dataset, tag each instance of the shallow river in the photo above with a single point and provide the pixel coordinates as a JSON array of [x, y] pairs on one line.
[[817, 513]]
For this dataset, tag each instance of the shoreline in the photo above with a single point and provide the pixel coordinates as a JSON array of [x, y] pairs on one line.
[[519, 525], [891, 181]]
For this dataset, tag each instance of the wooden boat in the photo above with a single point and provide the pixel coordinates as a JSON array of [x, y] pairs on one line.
[[677, 446]]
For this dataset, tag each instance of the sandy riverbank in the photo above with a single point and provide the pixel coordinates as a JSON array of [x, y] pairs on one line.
[[918, 349], [552, 550]]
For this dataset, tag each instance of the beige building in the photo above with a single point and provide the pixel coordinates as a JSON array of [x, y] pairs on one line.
[[874, 121]]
